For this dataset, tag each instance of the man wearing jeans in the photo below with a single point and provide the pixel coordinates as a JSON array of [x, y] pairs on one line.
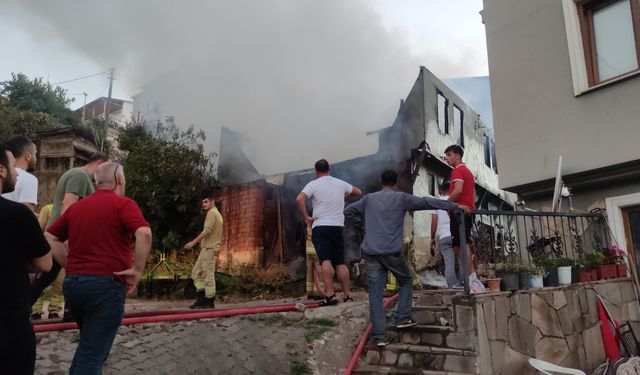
[[100, 229], [384, 213], [441, 238]]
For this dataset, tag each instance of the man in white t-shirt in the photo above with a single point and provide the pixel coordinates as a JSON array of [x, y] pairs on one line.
[[441, 238], [26, 191], [327, 196]]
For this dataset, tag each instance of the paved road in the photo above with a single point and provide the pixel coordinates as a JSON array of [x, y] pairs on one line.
[[235, 345]]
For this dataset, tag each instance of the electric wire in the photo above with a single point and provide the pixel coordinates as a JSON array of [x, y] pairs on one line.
[[79, 78]]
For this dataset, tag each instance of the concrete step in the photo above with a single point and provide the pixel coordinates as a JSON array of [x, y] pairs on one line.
[[421, 357], [434, 298], [432, 314], [431, 307], [373, 369], [424, 327]]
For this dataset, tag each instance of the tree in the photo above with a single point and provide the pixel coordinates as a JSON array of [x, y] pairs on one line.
[[167, 173], [28, 106], [36, 95]]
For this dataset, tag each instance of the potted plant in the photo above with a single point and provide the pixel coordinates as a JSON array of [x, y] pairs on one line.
[[509, 273], [591, 262], [617, 255], [550, 267], [531, 277], [605, 264], [564, 269]]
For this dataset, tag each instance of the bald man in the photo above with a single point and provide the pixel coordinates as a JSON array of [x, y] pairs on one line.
[[100, 272], [73, 185]]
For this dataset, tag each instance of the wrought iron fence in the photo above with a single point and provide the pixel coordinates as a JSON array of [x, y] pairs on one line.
[[522, 236]]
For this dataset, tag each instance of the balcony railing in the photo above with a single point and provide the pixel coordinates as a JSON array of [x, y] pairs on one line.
[[520, 236]]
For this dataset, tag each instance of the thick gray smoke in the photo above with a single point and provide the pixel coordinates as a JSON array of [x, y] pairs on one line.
[[304, 79]]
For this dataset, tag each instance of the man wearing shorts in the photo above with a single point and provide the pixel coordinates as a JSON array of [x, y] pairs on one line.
[[327, 196], [462, 190]]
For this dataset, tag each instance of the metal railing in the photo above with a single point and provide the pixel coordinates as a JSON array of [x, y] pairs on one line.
[[520, 236]]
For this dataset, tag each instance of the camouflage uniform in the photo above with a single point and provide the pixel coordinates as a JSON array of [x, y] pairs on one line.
[[203, 272]]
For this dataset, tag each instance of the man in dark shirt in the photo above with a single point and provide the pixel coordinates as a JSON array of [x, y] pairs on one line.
[[384, 213], [23, 250]]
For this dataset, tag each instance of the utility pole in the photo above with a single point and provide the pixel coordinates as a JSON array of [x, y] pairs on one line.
[[106, 113], [84, 107]]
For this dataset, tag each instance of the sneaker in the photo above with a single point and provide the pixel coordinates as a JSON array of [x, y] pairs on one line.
[[382, 343], [329, 301], [406, 324]]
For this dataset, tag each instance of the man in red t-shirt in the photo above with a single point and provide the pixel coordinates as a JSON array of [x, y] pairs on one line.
[[462, 191], [100, 230]]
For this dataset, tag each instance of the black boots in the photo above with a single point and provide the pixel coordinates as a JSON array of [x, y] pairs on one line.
[[202, 302]]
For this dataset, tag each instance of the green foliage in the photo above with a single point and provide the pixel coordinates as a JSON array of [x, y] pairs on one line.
[[168, 174], [592, 259], [509, 267], [545, 261], [38, 96], [300, 368], [28, 106], [533, 270], [316, 327], [565, 262]]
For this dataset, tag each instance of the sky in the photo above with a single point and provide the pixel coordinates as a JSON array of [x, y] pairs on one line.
[[327, 71]]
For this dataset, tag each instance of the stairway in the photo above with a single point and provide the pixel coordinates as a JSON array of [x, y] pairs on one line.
[[435, 346]]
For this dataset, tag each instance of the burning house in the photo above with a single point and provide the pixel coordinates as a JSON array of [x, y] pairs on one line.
[[262, 226]]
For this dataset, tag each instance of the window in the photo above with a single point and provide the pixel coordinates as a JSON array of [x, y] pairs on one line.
[[443, 113], [432, 184], [494, 160], [458, 121], [487, 151], [610, 36]]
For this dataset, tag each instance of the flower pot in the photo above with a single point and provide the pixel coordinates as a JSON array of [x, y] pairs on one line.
[[510, 281], [551, 278], [622, 270], [574, 274], [607, 271], [594, 274], [494, 284], [529, 281], [564, 275], [584, 276]]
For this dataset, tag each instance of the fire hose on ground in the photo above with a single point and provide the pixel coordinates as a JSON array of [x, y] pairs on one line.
[[158, 316], [363, 341], [180, 315]]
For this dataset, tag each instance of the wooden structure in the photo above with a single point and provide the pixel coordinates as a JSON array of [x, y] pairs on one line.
[[59, 150]]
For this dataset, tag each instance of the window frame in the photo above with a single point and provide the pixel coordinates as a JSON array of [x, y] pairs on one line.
[[461, 129], [446, 112], [585, 10]]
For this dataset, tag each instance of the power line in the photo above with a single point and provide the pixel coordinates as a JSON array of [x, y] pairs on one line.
[[79, 78]]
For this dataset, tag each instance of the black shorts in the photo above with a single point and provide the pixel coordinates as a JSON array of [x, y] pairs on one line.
[[329, 244], [454, 224]]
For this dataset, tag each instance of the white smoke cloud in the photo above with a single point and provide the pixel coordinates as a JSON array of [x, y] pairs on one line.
[[305, 79]]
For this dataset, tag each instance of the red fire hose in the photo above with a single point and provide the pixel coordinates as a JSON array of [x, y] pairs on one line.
[[363, 341], [168, 316]]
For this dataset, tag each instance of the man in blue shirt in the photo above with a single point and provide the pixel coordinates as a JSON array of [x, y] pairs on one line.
[[384, 213]]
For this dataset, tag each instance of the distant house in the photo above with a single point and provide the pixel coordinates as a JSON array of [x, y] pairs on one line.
[[565, 80], [262, 225], [120, 111]]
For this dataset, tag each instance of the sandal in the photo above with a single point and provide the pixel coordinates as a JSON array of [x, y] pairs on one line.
[[329, 301], [347, 299]]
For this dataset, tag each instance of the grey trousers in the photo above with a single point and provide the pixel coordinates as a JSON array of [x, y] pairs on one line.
[[444, 246]]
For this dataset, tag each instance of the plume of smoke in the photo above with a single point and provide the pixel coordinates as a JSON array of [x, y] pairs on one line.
[[305, 79]]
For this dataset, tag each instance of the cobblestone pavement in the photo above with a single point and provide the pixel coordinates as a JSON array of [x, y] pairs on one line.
[[235, 345]]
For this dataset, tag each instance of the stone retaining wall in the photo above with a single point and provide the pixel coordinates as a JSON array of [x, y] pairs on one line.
[[559, 325]]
